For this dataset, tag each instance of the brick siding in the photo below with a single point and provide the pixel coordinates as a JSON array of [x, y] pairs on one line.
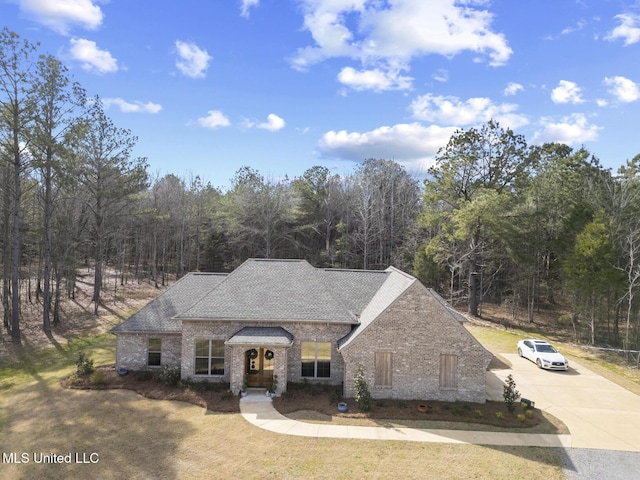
[[417, 329]]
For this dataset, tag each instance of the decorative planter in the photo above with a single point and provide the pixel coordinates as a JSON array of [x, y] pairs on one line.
[[342, 407], [122, 372], [526, 403], [423, 408]]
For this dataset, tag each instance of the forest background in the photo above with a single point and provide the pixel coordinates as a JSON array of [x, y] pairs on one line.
[[495, 220]]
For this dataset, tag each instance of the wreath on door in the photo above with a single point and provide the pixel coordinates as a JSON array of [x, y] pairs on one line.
[[268, 355], [253, 354]]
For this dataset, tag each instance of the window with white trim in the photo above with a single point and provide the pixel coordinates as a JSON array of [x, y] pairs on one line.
[[316, 359], [209, 357]]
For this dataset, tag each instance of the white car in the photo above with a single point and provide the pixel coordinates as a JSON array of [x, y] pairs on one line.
[[542, 354]]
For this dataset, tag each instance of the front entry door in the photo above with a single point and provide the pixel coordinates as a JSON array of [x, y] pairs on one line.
[[259, 367]]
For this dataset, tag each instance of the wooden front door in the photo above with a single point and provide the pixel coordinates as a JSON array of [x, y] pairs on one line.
[[259, 367]]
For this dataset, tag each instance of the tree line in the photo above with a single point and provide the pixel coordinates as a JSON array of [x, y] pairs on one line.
[[494, 220]]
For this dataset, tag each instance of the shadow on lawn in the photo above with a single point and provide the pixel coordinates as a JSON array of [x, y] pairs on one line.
[[124, 436]]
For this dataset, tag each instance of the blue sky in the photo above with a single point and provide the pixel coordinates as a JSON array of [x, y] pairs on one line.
[[282, 85]]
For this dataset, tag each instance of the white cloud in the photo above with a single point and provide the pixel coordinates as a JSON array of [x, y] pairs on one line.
[[566, 92], [512, 88], [377, 80], [193, 61], [629, 29], [442, 75], [246, 5], [387, 35], [405, 143], [453, 111], [213, 120], [601, 102], [623, 89], [91, 57], [61, 15], [273, 123], [129, 107], [572, 130]]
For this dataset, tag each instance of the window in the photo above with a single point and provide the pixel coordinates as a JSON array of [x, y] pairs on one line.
[[448, 371], [316, 359], [209, 357], [154, 352], [383, 368]]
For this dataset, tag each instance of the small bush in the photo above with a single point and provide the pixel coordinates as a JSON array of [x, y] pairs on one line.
[[529, 413], [226, 395], [401, 403], [478, 413], [521, 417], [74, 380], [363, 396], [499, 415], [510, 394], [84, 364], [98, 378], [168, 375]]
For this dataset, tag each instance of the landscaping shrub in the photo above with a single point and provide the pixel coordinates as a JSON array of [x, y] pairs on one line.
[[363, 396], [168, 375], [84, 364], [510, 394], [98, 378]]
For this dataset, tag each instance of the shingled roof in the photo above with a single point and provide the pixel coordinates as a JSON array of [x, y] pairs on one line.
[[287, 290], [159, 314], [271, 291]]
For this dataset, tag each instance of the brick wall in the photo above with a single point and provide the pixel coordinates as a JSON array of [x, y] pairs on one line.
[[132, 349], [287, 364], [417, 329]]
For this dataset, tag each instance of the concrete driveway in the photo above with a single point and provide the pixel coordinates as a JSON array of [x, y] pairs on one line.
[[599, 414]]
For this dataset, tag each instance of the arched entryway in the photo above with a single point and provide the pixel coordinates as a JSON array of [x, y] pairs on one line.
[[259, 366]]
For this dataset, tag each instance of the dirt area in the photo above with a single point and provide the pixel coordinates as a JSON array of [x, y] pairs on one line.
[[77, 318]]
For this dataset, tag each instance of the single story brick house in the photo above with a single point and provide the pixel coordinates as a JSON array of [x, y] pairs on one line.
[[290, 319]]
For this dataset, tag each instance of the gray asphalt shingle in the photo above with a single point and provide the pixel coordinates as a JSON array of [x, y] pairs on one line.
[[158, 315], [277, 290], [261, 336]]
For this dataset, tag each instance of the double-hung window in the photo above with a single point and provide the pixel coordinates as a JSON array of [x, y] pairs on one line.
[[154, 352], [316, 359], [209, 357]]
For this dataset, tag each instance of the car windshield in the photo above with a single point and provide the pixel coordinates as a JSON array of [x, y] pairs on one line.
[[545, 349]]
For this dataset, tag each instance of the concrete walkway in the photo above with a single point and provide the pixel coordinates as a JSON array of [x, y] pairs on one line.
[[258, 409]]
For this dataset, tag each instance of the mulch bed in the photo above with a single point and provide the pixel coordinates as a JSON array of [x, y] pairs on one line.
[[308, 398], [323, 400], [214, 397]]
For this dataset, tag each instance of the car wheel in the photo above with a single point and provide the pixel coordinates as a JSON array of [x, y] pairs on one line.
[[539, 363], [520, 352]]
